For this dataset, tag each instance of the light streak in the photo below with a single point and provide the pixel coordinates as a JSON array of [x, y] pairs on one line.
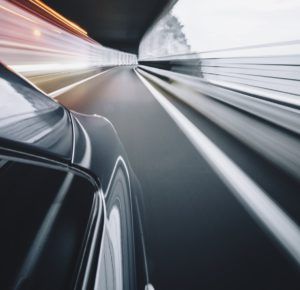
[[58, 16], [17, 14], [32, 45]]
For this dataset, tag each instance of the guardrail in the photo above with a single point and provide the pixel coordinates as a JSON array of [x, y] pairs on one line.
[[266, 120], [270, 71]]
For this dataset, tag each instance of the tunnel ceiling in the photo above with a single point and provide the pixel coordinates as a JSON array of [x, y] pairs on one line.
[[115, 23]]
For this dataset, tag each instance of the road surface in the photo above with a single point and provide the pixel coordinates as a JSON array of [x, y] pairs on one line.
[[199, 234]]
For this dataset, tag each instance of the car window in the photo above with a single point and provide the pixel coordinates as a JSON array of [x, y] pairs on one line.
[[44, 220]]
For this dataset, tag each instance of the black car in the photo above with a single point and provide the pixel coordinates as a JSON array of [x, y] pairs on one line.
[[70, 210]]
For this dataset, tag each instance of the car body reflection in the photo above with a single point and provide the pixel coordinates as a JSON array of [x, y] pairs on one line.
[[68, 198]]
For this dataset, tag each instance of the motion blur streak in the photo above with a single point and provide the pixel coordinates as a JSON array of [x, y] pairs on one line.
[[33, 45], [19, 15], [263, 208], [58, 16]]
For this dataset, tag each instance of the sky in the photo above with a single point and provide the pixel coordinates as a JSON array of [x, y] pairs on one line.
[[220, 24]]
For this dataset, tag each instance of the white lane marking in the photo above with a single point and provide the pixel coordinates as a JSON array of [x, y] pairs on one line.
[[252, 197], [71, 86]]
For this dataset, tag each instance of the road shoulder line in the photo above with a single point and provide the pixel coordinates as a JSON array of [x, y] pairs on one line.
[[266, 212], [60, 91]]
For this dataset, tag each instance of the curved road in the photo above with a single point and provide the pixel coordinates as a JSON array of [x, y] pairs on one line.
[[199, 234]]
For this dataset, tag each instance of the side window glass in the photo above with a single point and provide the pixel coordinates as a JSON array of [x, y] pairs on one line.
[[44, 219]]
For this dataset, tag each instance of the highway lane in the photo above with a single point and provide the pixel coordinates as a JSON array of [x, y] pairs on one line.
[[198, 236], [53, 81]]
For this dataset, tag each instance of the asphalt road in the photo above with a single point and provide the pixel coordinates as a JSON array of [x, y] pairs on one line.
[[49, 82], [198, 233]]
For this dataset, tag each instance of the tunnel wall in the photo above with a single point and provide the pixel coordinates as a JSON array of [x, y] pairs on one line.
[[35, 44]]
